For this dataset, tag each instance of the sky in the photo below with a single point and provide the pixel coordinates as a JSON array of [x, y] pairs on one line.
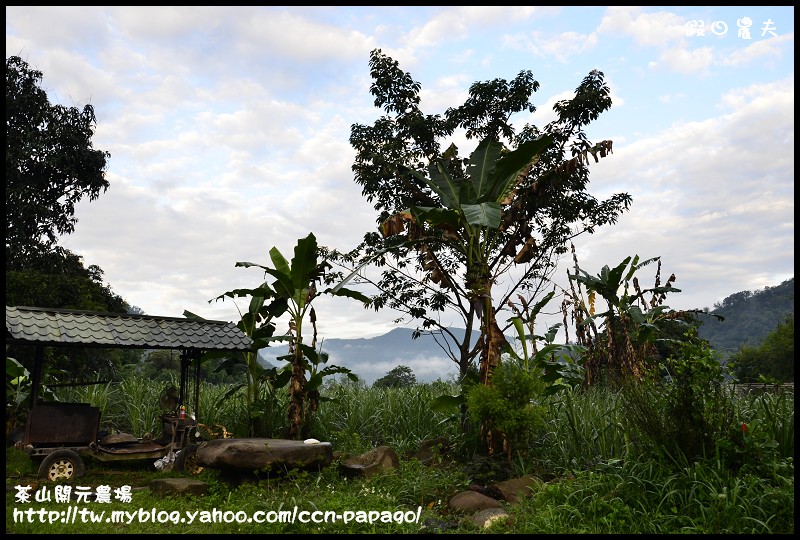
[[228, 129]]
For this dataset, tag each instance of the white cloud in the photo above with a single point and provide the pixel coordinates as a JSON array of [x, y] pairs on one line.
[[714, 199], [671, 98], [660, 29], [757, 50], [687, 60]]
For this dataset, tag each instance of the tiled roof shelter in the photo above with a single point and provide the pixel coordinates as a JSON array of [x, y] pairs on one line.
[[64, 327]]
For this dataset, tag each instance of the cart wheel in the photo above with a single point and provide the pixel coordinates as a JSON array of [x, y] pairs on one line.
[[186, 461], [63, 465]]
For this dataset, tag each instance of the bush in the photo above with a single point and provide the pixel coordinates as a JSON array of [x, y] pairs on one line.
[[509, 410], [685, 409]]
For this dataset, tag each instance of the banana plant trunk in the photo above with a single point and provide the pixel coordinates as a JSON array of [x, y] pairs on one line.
[[297, 385], [493, 339]]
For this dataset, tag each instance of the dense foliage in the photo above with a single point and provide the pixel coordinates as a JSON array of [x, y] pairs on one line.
[[772, 360], [748, 317], [50, 165], [594, 477], [670, 447], [398, 377]]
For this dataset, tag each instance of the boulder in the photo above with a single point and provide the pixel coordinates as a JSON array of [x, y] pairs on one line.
[[382, 458], [472, 501], [432, 449], [488, 517], [254, 454], [514, 489]]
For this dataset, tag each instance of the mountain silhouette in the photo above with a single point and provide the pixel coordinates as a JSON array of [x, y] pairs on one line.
[[372, 358]]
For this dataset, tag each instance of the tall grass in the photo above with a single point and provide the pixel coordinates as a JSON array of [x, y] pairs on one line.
[[103, 396], [358, 418], [773, 415], [645, 497], [222, 407], [140, 406], [585, 427]]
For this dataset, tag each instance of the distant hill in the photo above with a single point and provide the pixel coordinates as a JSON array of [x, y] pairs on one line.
[[372, 358], [749, 317]]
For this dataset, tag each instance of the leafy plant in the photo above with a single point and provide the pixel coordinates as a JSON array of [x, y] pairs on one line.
[[18, 389], [560, 364], [682, 410], [509, 410], [261, 385], [630, 324], [292, 292]]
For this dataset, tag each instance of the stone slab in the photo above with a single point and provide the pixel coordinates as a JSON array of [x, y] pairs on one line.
[[253, 454]]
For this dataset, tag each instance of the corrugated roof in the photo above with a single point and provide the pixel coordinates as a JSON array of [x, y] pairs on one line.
[[61, 327]]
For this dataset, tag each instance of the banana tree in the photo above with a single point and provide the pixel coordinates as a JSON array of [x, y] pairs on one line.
[[470, 221], [294, 289], [261, 384], [630, 323]]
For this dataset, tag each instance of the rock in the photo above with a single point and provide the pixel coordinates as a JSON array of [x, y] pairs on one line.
[[471, 501], [486, 518], [431, 449], [377, 460], [254, 454], [178, 486], [514, 489]]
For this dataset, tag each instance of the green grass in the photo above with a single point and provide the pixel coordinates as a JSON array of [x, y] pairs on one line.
[[595, 483]]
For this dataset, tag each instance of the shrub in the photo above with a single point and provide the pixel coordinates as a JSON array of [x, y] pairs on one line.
[[685, 409], [509, 408]]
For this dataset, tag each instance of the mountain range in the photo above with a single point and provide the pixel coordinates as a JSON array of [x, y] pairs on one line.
[[372, 358]]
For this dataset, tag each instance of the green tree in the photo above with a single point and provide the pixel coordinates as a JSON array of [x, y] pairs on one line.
[[773, 359], [747, 317], [50, 165], [509, 411], [452, 229], [59, 279], [399, 377]]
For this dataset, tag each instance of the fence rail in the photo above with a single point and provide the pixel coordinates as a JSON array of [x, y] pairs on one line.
[[747, 388]]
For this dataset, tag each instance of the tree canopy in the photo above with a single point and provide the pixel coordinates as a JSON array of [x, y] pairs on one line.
[[771, 360], [746, 317], [50, 165], [399, 377], [452, 229]]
